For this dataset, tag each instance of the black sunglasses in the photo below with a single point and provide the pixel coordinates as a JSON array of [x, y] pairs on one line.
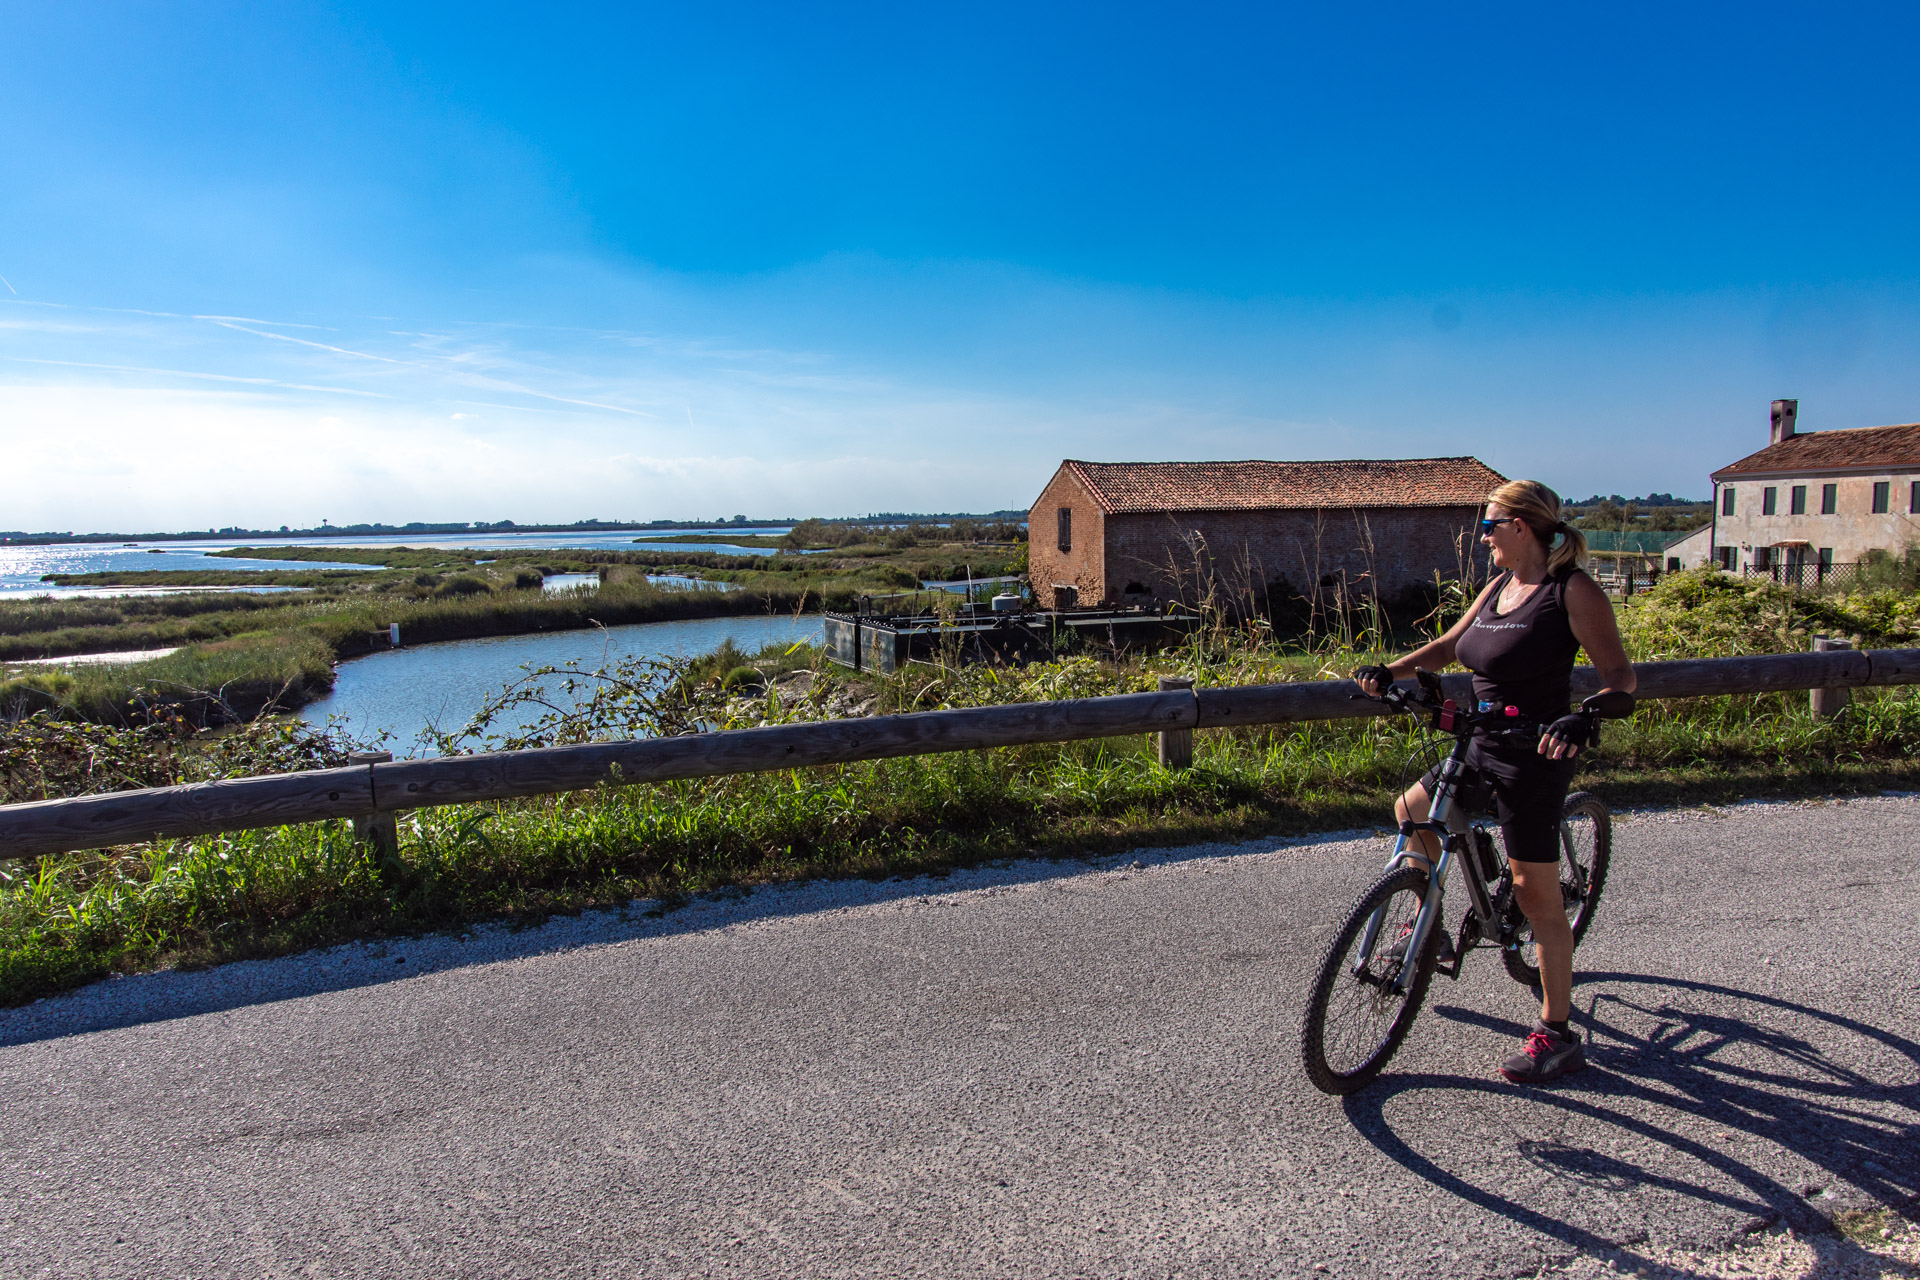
[[1488, 526]]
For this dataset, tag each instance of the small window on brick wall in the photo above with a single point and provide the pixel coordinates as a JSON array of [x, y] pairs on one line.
[[1913, 499], [1882, 495], [1797, 501], [1829, 499], [1066, 528], [1726, 500], [1769, 500]]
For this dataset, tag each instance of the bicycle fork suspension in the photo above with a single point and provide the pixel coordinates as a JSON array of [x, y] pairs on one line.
[[1431, 914]]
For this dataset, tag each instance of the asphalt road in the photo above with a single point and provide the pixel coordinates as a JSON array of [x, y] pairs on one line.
[[1042, 1070]]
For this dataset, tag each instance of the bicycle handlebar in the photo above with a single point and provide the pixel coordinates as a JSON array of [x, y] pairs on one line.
[[1448, 716]]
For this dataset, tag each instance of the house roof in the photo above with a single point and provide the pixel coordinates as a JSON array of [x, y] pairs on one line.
[[1895, 448], [1127, 488]]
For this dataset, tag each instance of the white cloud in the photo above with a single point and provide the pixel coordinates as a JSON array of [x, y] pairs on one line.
[[144, 420]]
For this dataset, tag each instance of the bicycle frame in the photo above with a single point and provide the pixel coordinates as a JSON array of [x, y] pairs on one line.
[[1449, 821]]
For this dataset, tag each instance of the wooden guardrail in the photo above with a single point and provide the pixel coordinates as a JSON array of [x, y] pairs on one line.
[[381, 787]]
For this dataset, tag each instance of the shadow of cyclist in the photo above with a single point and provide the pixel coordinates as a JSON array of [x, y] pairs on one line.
[[1666, 1051]]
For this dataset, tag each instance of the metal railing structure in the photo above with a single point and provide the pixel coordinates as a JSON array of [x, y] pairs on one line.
[[371, 790]]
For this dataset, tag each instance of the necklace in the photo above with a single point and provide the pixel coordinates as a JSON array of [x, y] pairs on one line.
[[1511, 599]]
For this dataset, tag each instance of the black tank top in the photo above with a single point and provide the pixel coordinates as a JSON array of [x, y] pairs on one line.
[[1525, 658]]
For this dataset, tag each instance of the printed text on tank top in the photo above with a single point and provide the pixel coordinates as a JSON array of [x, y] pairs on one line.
[[1523, 656]]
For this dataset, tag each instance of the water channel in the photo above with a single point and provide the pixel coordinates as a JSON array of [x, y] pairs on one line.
[[405, 690]]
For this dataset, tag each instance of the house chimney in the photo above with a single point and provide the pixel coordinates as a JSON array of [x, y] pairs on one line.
[[1784, 412]]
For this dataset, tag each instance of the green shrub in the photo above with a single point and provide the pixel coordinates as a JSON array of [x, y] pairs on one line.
[[1883, 571], [1704, 613]]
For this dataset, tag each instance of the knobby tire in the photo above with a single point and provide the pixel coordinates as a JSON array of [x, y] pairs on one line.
[[1364, 1023]]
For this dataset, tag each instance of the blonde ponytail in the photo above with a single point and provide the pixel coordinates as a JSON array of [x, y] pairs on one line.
[[1539, 506]]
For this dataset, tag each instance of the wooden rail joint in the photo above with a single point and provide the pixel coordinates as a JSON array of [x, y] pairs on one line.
[[379, 830], [1174, 747]]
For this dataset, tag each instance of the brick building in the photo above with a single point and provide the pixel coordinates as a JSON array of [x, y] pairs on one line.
[[1121, 533], [1815, 498]]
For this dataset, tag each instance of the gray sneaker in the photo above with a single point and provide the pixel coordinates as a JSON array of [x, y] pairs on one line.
[[1547, 1055]]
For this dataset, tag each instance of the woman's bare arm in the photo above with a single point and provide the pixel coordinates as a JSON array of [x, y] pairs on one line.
[[1590, 614], [1435, 655]]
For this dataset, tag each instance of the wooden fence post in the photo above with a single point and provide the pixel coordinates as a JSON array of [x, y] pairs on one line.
[[1830, 702], [379, 831], [1175, 746]]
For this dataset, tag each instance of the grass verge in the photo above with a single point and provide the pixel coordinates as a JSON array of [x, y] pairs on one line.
[[71, 919], [66, 920]]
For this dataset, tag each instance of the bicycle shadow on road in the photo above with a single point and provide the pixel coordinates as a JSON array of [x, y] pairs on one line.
[[1732, 1087]]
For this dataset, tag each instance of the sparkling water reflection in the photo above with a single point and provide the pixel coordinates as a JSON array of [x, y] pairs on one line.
[[405, 690]]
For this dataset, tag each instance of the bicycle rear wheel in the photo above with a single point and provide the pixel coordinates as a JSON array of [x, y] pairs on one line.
[[1355, 1021], [1586, 843]]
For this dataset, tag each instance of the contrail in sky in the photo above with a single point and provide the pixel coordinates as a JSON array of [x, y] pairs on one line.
[[10, 289]]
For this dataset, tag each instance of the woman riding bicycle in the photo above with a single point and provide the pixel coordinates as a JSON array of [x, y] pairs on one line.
[[1519, 639]]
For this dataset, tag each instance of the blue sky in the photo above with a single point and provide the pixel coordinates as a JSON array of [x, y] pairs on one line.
[[269, 263]]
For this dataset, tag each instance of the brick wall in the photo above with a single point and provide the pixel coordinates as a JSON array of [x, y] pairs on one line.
[[1084, 564], [1154, 558]]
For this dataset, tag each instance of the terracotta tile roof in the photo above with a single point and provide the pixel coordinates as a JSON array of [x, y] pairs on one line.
[[1895, 448], [1123, 488]]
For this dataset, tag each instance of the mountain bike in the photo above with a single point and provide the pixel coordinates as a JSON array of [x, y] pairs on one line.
[[1384, 956]]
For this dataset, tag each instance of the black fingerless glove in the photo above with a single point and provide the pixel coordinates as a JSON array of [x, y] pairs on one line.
[[1576, 728], [1376, 673]]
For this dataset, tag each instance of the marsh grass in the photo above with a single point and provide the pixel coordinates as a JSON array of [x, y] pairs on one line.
[[222, 682], [69, 919]]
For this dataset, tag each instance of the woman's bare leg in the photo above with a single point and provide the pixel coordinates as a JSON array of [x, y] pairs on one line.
[[1537, 887], [1414, 807]]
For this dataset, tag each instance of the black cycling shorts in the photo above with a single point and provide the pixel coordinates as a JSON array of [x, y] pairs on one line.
[[1522, 788]]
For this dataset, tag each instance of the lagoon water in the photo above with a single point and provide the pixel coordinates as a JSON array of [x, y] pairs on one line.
[[21, 567], [405, 690]]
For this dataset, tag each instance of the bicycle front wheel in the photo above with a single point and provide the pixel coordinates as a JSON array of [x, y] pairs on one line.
[[1355, 1020], [1586, 843]]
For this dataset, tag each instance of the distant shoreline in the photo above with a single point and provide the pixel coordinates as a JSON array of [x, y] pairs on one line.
[[21, 538], [376, 531]]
